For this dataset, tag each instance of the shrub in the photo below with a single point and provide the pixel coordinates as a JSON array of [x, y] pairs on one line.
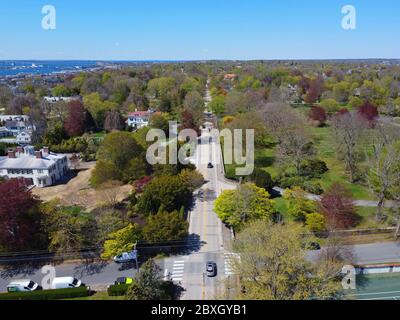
[[261, 179], [315, 222], [118, 290], [288, 182], [47, 294], [313, 168], [313, 187]]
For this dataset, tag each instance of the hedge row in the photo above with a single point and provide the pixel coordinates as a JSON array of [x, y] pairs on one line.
[[118, 290], [47, 294]]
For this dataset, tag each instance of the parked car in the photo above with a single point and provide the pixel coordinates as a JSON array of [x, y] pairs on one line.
[[22, 286], [65, 283], [125, 257], [123, 280], [210, 165], [211, 269]]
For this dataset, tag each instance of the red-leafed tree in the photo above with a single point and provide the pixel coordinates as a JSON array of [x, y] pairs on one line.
[[316, 87], [19, 217], [318, 114], [75, 121], [141, 183], [338, 207], [188, 121], [342, 112], [368, 112]]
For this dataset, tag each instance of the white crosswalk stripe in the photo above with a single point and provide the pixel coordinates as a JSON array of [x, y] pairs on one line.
[[178, 269], [228, 262]]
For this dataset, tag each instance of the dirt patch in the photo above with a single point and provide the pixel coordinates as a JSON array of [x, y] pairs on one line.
[[77, 191]]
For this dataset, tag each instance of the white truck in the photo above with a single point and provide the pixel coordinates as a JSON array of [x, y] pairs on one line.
[[65, 283]]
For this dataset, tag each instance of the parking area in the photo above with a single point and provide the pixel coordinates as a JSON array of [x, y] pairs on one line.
[[385, 286]]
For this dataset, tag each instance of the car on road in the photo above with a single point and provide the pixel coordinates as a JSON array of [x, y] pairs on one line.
[[125, 257], [123, 280], [210, 165], [211, 269], [25, 285], [65, 283]]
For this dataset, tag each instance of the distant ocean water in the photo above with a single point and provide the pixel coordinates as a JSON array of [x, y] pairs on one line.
[[19, 67]]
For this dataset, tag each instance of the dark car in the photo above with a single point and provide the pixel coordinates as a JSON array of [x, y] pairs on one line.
[[211, 269], [210, 166]]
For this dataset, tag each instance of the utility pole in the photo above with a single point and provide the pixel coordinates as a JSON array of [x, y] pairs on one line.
[[136, 255]]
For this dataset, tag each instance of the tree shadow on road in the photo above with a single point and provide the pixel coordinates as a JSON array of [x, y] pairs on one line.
[[22, 268], [90, 267]]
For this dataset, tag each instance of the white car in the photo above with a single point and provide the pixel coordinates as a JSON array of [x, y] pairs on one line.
[[125, 257], [22, 286]]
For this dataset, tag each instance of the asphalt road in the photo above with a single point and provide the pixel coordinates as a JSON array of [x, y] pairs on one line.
[[98, 275], [373, 253], [206, 231]]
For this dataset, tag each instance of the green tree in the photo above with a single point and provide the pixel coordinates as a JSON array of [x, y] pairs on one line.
[[104, 171], [248, 202], [136, 169], [383, 175], [193, 179], [61, 91], [273, 265], [330, 105], [315, 222], [261, 179], [165, 226], [341, 91], [121, 240], [70, 228], [159, 121], [355, 103], [297, 203], [194, 103], [149, 285], [217, 105], [119, 148], [168, 191], [98, 107]]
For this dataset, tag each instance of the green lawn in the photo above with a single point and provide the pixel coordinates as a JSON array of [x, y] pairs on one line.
[[325, 145]]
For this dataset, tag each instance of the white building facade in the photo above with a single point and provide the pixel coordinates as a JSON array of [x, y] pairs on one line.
[[140, 119], [38, 168]]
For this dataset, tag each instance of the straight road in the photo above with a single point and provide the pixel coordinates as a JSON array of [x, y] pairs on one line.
[[207, 234]]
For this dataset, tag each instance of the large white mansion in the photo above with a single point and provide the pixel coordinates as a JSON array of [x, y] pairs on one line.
[[39, 168]]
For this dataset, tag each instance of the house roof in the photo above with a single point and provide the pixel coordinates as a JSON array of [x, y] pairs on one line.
[[139, 114], [29, 162]]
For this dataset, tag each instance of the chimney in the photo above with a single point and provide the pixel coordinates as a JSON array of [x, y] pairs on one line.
[[19, 150], [46, 150], [11, 154], [38, 154]]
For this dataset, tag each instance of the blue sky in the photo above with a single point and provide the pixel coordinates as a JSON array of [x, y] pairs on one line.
[[199, 29]]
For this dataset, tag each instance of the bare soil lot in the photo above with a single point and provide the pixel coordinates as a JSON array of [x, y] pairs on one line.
[[77, 191]]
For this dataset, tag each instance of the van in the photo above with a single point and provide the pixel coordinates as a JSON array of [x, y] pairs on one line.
[[65, 283], [22, 286]]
